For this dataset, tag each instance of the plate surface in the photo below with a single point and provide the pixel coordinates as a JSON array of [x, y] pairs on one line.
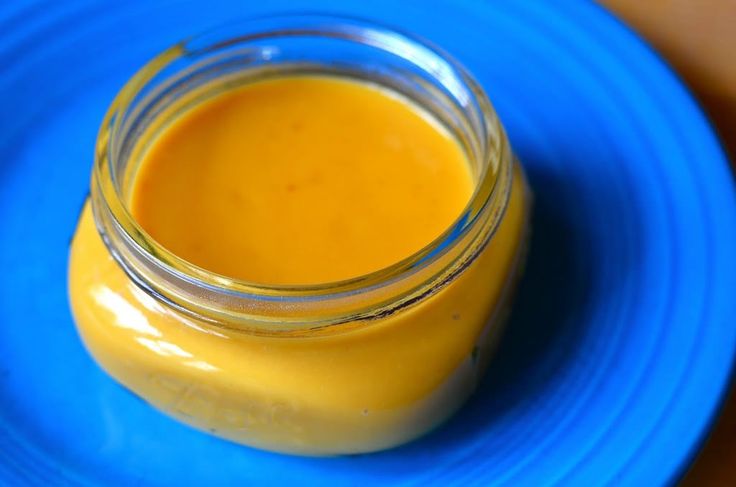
[[621, 341]]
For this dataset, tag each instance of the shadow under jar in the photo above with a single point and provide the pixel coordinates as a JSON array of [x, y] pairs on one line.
[[333, 368]]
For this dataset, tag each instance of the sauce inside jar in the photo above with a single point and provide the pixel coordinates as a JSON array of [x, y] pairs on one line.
[[301, 180]]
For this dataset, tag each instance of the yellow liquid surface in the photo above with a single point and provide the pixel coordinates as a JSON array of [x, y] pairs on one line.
[[375, 386], [301, 180]]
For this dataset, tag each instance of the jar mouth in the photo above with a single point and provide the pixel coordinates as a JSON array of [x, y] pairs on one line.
[[255, 44]]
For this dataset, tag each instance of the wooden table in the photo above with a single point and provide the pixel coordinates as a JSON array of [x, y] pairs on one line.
[[698, 38]]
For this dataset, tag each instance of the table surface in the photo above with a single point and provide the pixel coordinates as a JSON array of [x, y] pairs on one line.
[[697, 39]]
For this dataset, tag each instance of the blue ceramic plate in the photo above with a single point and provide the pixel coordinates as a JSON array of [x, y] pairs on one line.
[[622, 339]]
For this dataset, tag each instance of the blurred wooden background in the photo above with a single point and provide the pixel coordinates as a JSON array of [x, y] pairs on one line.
[[698, 38]]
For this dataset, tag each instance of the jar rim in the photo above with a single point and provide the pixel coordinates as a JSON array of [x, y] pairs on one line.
[[419, 51]]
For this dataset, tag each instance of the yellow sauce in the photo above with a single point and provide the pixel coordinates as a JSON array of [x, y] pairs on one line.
[[300, 180]]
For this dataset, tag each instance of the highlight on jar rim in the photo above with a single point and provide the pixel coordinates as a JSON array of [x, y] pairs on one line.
[[303, 235]]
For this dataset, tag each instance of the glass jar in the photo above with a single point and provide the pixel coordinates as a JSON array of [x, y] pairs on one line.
[[343, 367]]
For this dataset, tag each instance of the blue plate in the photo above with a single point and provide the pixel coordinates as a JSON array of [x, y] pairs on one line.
[[622, 338]]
